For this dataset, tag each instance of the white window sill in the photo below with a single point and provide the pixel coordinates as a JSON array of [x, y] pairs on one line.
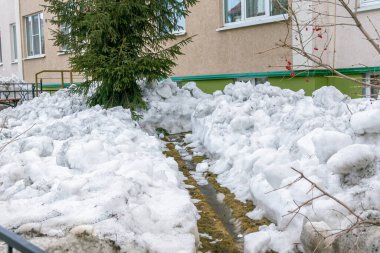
[[253, 22], [179, 33], [14, 62], [63, 53], [1, 64], [35, 57], [369, 6]]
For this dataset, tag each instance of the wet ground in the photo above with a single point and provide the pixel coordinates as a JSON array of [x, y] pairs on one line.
[[223, 221]]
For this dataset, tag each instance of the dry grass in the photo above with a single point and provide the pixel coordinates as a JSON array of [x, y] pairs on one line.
[[209, 223], [239, 209]]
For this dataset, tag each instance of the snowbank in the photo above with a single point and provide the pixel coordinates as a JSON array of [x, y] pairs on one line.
[[257, 134], [10, 79], [170, 107], [79, 171]]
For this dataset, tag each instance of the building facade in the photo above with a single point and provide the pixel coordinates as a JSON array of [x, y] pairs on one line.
[[233, 40], [240, 39]]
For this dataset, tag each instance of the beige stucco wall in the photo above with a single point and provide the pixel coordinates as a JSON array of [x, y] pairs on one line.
[[52, 60], [211, 52], [229, 51], [222, 52]]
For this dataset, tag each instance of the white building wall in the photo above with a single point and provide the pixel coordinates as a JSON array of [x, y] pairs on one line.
[[352, 49], [9, 13]]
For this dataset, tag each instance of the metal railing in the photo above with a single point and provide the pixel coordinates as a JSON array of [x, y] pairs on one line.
[[14, 241], [13, 93], [57, 75]]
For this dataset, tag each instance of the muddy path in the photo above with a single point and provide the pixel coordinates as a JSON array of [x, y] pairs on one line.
[[223, 221]]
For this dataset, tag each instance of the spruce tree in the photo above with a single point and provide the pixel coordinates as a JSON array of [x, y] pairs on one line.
[[115, 43]]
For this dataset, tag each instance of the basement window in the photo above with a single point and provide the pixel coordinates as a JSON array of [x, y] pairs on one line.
[[372, 91]]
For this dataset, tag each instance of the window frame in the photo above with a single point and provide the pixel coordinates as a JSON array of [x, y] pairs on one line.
[[183, 30], [367, 91], [63, 49], [369, 2], [267, 18], [1, 52], [369, 5], [40, 34], [13, 39]]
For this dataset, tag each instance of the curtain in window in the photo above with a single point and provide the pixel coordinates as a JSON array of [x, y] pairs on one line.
[[278, 7], [255, 8]]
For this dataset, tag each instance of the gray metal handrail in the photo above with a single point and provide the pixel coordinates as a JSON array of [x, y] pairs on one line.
[[14, 241]]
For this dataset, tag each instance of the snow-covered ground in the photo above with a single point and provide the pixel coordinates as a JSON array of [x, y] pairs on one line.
[[91, 170], [76, 171], [255, 135]]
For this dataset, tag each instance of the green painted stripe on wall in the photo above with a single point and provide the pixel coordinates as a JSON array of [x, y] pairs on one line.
[[299, 73]]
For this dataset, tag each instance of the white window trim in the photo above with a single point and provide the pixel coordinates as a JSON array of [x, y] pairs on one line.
[[14, 48], [35, 57], [245, 22], [253, 22], [179, 33], [373, 5], [1, 51], [42, 54]]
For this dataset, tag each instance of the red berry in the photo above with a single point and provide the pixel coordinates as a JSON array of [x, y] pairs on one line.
[[292, 74]]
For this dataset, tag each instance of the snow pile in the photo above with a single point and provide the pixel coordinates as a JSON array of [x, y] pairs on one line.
[[170, 107], [10, 79], [78, 171], [257, 134]]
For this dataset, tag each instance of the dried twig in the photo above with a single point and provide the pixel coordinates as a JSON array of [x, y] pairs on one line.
[[17, 137]]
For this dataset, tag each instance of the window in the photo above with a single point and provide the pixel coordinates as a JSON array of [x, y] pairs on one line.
[[244, 10], [369, 2], [253, 80], [35, 34], [182, 26], [1, 51], [181, 23], [372, 91], [13, 42], [65, 29]]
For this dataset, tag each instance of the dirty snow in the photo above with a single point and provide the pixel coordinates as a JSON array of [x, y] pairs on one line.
[[78, 171], [257, 134], [102, 173], [170, 107]]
